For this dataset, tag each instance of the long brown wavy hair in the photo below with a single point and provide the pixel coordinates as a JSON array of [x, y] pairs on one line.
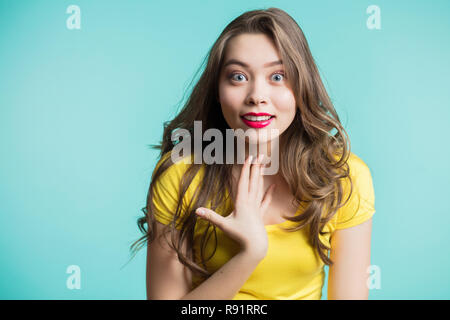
[[313, 161]]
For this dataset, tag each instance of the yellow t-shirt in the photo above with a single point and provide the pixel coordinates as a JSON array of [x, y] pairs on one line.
[[291, 270]]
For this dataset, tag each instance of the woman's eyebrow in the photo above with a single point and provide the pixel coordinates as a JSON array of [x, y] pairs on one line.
[[243, 64]]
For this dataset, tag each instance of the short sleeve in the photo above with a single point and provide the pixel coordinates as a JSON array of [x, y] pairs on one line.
[[361, 205], [166, 193]]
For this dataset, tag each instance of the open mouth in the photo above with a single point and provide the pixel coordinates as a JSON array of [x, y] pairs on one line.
[[257, 118], [257, 121]]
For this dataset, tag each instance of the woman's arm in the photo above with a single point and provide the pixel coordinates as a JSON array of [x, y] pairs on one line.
[[169, 279], [225, 283], [350, 252], [166, 277]]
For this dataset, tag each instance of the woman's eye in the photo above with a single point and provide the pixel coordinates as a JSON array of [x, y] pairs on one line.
[[236, 74], [279, 75]]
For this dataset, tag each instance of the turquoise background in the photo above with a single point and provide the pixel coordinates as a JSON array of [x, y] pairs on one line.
[[78, 109]]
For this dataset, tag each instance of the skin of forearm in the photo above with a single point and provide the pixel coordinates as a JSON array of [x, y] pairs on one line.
[[225, 283]]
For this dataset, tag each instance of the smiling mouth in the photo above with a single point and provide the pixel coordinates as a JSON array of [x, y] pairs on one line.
[[257, 118], [257, 122]]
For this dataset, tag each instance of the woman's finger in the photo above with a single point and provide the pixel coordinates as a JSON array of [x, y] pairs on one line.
[[267, 198], [254, 177], [260, 183], [242, 189], [212, 217]]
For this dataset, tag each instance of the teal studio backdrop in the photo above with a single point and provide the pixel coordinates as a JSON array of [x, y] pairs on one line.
[[79, 107]]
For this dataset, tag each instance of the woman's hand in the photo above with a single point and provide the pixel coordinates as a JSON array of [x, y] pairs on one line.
[[245, 224]]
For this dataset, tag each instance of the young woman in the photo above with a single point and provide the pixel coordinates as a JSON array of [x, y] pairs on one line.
[[261, 236]]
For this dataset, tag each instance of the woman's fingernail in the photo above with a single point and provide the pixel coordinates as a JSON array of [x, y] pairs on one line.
[[200, 211]]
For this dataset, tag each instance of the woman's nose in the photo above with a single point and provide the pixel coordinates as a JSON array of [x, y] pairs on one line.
[[257, 93]]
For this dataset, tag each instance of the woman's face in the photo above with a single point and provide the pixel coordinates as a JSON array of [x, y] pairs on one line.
[[252, 80]]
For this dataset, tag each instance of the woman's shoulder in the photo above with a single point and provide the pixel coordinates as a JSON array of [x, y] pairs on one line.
[[358, 168], [360, 174], [167, 186], [174, 174], [361, 203], [356, 164], [175, 167]]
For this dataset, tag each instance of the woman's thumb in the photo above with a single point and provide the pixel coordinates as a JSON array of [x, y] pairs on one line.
[[211, 216]]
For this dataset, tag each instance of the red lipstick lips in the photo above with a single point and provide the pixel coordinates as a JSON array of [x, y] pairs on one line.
[[255, 123], [257, 114]]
